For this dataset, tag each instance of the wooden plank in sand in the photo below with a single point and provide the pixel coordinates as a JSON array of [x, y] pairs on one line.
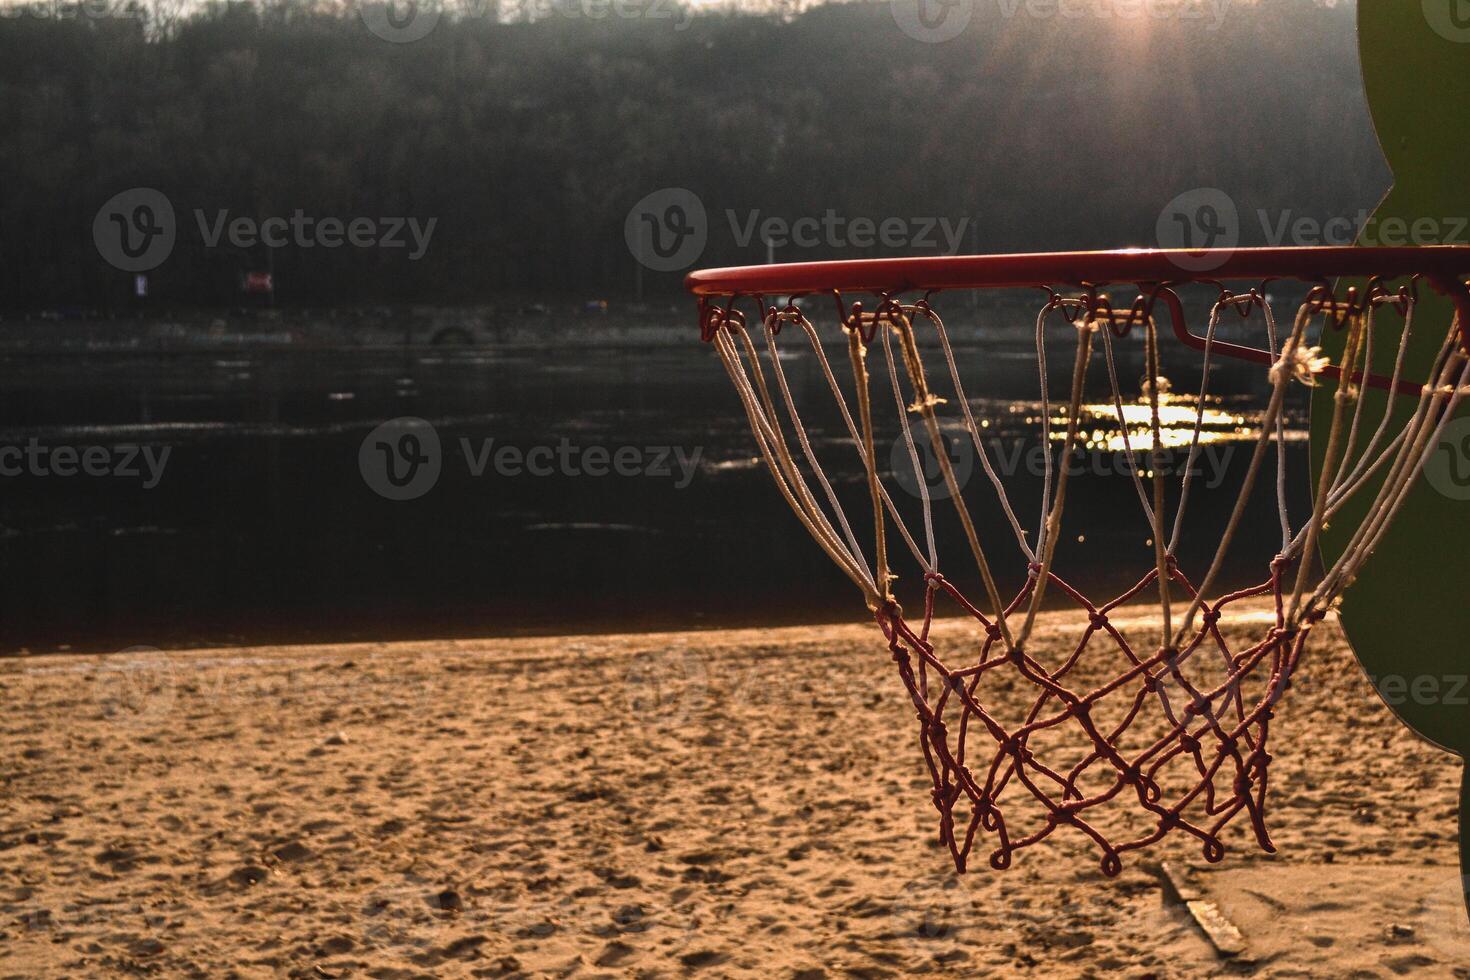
[[1219, 930]]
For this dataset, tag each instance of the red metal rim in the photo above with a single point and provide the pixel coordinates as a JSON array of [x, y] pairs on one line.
[[1120, 266]]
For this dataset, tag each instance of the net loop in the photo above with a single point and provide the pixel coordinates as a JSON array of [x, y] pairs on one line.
[[776, 319], [1242, 303], [713, 318]]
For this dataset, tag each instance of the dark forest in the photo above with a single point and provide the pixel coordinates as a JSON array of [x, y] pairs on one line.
[[528, 142]]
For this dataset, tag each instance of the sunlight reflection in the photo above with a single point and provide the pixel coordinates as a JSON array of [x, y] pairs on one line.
[[1100, 428]]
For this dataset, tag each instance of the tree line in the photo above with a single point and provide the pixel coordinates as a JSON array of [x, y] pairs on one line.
[[526, 135]]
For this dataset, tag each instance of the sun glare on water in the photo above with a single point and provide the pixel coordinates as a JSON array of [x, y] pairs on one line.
[[1178, 415]]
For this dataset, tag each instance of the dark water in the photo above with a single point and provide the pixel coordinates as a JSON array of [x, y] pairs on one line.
[[263, 527]]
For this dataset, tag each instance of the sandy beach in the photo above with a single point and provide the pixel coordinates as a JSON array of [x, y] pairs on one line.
[[746, 803]]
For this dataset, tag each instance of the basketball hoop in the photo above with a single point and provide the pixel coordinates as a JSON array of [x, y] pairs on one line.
[[1178, 731]]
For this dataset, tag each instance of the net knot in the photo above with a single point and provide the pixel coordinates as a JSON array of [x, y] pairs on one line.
[[1210, 617], [1198, 708], [992, 632], [1189, 743], [1016, 746], [1299, 364], [1097, 620]]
